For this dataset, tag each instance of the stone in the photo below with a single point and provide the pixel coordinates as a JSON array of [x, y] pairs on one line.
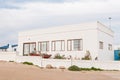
[[61, 67], [49, 66]]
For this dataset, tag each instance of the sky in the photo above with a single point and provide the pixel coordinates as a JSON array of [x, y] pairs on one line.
[[22, 15]]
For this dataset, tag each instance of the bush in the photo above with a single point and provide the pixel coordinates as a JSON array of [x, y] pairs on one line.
[[25, 54], [96, 69], [86, 58], [74, 68], [85, 69], [11, 61], [28, 63], [90, 69], [58, 56]]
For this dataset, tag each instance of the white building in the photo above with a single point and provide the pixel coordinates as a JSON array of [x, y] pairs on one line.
[[116, 47], [68, 40]]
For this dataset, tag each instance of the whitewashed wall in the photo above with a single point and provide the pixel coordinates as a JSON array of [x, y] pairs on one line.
[[105, 35], [7, 56], [117, 47], [107, 65], [91, 33]]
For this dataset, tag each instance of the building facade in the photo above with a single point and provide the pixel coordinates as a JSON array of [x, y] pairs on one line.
[[70, 40], [117, 47]]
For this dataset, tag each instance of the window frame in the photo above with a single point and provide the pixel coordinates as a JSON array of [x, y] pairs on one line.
[[40, 46], [70, 47], [110, 47], [62, 43], [101, 45], [29, 43]]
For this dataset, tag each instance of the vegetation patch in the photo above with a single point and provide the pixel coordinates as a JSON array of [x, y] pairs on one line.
[[11, 61], [91, 69], [76, 68], [28, 63], [58, 56]]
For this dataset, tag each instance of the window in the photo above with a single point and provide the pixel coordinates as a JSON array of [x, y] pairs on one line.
[[29, 48], [62, 45], [15, 49], [43, 46], [110, 47], [69, 44], [74, 45], [25, 49], [58, 45], [32, 47], [100, 45], [53, 45]]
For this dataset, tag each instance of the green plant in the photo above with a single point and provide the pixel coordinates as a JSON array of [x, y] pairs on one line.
[[86, 58], [58, 56], [74, 68], [90, 69], [28, 63], [85, 69], [25, 54], [96, 69], [11, 61]]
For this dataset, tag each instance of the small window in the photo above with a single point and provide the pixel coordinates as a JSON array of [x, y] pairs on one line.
[[15, 49], [69, 45], [100, 45], [29, 48], [58, 45], [74, 45], [43, 46], [110, 47], [53, 45]]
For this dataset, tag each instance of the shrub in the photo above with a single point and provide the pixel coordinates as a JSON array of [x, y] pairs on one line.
[[11, 61], [86, 58], [26, 55], [96, 69], [85, 69], [74, 68], [89, 69], [58, 56], [28, 63]]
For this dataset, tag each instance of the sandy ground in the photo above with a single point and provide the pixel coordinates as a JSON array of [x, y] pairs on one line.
[[15, 71]]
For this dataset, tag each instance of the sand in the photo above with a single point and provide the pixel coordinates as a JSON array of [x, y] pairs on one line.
[[15, 71]]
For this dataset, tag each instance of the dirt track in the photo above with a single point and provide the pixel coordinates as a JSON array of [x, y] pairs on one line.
[[15, 71]]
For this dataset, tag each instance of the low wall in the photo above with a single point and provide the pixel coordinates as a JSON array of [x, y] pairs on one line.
[[7, 56], [107, 65]]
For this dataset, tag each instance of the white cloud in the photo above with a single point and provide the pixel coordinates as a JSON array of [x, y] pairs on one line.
[[73, 8], [39, 14]]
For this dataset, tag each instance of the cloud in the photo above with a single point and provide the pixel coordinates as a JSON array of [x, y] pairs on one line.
[[33, 14]]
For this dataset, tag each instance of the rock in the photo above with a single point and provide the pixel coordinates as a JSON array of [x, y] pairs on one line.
[[61, 67], [49, 66]]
